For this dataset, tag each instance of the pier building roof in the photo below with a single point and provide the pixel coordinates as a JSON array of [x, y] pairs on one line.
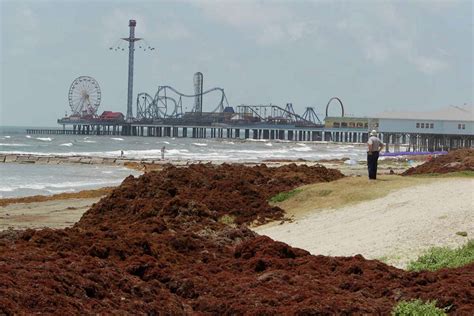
[[449, 113]]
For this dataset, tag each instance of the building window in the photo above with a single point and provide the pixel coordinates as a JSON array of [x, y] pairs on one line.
[[344, 124], [425, 125], [336, 124], [461, 126]]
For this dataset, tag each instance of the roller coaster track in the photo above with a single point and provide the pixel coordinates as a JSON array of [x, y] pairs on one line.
[[311, 115], [157, 108], [149, 108], [274, 114]]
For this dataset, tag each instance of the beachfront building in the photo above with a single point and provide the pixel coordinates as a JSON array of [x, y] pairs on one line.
[[447, 128], [361, 123], [348, 128]]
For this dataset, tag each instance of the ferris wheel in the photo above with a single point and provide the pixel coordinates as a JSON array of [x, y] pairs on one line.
[[84, 96]]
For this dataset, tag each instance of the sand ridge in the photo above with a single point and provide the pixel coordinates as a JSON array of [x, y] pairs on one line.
[[84, 194]]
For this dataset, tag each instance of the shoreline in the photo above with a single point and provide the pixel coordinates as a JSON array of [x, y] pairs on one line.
[[84, 194], [74, 159], [123, 161], [344, 164]]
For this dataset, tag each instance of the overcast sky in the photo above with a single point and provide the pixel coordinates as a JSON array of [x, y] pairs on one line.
[[374, 55]]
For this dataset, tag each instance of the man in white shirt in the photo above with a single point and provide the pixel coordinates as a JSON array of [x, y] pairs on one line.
[[375, 145]]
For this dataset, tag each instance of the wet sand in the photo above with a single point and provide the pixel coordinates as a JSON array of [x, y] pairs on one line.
[[52, 213]]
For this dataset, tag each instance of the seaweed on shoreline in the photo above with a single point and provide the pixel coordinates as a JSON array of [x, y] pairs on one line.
[[155, 245]]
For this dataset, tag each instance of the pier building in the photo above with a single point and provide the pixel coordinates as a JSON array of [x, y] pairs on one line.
[[446, 128]]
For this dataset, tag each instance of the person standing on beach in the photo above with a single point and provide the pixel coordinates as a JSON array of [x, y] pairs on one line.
[[163, 152], [375, 145]]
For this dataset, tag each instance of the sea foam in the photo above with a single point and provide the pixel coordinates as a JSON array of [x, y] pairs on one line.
[[302, 149], [14, 145]]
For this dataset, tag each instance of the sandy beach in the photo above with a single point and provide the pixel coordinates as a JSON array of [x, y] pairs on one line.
[[51, 214], [395, 228], [52, 211]]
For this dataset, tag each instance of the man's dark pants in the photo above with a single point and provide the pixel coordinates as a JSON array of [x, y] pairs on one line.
[[372, 158]]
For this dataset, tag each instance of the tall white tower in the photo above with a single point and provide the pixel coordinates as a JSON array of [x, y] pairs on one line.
[[131, 48]]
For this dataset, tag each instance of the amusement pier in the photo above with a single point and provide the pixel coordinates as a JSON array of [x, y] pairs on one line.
[[162, 115]]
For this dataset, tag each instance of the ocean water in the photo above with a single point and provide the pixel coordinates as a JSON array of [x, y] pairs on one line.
[[20, 180], [15, 140], [25, 180]]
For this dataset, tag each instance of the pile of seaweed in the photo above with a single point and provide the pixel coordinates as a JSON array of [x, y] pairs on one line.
[[156, 245], [456, 160]]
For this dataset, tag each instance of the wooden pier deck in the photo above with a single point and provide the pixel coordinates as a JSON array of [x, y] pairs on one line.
[[393, 141]]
